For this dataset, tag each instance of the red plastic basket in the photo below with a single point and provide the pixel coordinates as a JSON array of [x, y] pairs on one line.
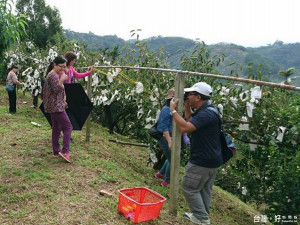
[[140, 204]]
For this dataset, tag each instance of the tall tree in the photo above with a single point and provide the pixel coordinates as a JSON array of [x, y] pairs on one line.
[[287, 73], [44, 22], [12, 27]]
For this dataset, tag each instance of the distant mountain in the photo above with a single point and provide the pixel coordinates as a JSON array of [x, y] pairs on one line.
[[243, 56], [94, 41], [275, 57], [285, 54]]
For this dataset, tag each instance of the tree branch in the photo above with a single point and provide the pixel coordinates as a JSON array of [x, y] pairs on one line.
[[128, 143], [236, 121]]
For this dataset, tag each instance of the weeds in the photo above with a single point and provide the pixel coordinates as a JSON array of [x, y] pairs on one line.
[[37, 188]]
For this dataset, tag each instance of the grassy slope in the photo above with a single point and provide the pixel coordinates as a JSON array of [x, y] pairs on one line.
[[36, 188]]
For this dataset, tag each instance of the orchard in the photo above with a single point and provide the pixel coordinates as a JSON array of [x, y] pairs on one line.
[[263, 121]]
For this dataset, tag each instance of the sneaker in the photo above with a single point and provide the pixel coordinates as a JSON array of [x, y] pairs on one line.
[[192, 218], [165, 184], [65, 156], [56, 154], [159, 175]]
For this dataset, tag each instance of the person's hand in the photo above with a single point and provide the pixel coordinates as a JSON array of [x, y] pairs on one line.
[[91, 69], [186, 139], [187, 102], [63, 77], [173, 104], [170, 145], [66, 105]]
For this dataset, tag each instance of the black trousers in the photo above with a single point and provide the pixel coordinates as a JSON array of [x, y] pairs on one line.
[[35, 100], [12, 101]]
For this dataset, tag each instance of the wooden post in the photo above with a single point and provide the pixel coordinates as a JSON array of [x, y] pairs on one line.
[[176, 147], [88, 122]]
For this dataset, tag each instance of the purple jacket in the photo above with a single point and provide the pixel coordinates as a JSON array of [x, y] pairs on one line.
[[53, 94]]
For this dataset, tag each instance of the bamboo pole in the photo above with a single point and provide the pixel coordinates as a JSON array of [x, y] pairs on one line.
[[129, 143], [88, 122], [176, 147], [238, 79]]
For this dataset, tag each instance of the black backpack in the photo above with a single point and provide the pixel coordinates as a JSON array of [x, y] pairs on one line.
[[228, 147], [154, 132]]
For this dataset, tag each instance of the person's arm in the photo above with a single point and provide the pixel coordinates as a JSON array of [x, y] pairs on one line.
[[168, 138], [81, 75], [62, 79], [57, 86], [187, 111], [164, 122], [16, 81], [184, 126]]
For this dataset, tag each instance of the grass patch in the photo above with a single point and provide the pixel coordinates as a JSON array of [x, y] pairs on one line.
[[35, 187]]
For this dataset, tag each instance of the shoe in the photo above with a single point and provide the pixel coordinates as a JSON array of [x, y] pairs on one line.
[[205, 222], [65, 156], [56, 154], [165, 184], [192, 218], [159, 175]]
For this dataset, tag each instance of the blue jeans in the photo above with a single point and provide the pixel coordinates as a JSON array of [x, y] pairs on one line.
[[165, 170], [61, 121]]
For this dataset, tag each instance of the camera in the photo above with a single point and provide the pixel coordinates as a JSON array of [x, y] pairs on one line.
[[185, 96]]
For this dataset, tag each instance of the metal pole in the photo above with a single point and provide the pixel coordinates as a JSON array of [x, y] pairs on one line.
[[238, 79], [176, 147], [88, 122]]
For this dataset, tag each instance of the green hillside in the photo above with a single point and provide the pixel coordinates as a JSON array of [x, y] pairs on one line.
[[94, 41], [286, 54], [37, 188], [244, 56]]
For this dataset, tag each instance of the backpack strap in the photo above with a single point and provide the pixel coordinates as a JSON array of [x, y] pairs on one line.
[[230, 144], [216, 111]]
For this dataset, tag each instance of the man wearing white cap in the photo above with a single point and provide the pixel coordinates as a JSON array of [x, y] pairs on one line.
[[206, 156]]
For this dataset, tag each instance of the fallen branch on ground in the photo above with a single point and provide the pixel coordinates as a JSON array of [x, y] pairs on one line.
[[128, 143]]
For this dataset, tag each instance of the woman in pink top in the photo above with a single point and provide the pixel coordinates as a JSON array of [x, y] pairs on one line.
[[71, 72]]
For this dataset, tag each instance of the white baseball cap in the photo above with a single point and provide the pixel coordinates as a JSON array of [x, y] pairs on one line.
[[200, 87]]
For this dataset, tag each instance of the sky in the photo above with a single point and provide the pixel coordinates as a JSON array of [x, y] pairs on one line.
[[250, 23]]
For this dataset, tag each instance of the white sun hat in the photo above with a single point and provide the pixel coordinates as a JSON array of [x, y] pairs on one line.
[[200, 87]]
